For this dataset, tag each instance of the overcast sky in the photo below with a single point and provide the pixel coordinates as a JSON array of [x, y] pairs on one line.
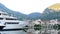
[[28, 6]]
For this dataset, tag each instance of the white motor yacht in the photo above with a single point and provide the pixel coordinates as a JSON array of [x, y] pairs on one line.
[[10, 22]]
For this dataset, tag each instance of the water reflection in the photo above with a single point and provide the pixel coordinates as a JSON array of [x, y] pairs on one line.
[[33, 31], [43, 31]]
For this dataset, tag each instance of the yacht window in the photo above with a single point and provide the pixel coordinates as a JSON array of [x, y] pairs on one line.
[[12, 22], [10, 19], [1, 18], [0, 13], [5, 14]]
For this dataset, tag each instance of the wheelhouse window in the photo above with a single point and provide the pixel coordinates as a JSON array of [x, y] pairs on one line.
[[11, 22], [10, 19], [4, 14]]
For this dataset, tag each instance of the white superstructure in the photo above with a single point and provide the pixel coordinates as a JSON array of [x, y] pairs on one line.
[[9, 22]]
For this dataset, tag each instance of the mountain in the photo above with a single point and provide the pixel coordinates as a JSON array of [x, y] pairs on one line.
[[20, 16], [11, 12], [34, 16], [52, 12]]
